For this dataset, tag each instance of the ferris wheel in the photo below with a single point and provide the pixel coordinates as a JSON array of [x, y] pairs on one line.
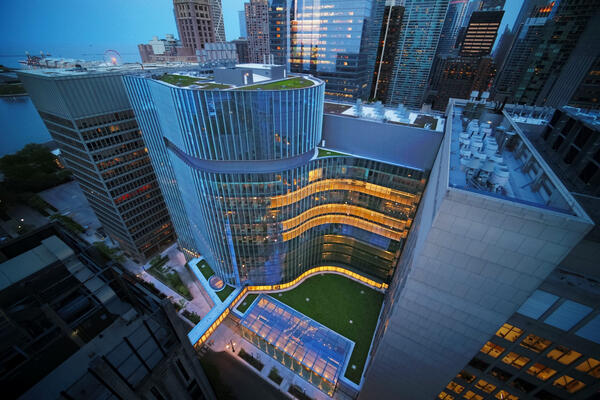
[[112, 57]]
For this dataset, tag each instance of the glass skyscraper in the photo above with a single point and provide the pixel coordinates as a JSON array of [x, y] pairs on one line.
[[331, 39], [421, 27], [249, 190]]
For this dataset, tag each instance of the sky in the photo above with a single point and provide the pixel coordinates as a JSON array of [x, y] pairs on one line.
[[75, 28]]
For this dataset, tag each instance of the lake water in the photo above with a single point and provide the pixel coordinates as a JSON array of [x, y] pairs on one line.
[[20, 124]]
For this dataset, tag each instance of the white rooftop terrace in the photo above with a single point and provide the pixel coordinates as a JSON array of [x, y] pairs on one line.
[[490, 155]]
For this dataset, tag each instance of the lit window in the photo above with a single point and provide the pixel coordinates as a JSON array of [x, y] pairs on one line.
[[504, 395], [535, 343], [540, 371], [509, 332], [472, 396], [485, 386], [492, 349], [516, 360], [591, 366], [571, 385], [466, 376], [563, 355], [445, 396], [455, 387]]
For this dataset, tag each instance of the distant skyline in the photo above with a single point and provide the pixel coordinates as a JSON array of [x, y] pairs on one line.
[[70, 28]]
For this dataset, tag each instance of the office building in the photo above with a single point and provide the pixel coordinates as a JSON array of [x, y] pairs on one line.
[[242, 21], [533, 16], [421, 27], [481, 33], [221, 54], [199, 22], [548, 349], [279, 32], [74, 327], [89, 116], [168, 50], [493, 223], [257, 25], [456, 16], [587, 94], [386, 52], [337, 41], [241, 48], [459, 77], [503, 48], [560, 60]]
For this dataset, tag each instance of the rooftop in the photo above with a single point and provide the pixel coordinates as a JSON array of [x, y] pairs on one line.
[[490, 155]]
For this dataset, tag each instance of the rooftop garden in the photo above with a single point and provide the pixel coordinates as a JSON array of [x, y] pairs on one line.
[[329, 153], [247, 302], [179, 80], [168, 276], [205, 269], [225, 292], [291, 83], [343, 305]]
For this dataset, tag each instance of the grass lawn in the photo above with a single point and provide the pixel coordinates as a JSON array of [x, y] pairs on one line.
[[171, 279], [225, 292], [329, 153], [247, 302], [213, 86], [292, 83], [206, 270], [179, 80], [334, 301]]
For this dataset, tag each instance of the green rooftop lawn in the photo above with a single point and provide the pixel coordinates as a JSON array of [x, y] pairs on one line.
[[206, 270], [334, 301], [247, 302], [291, 83], [329, 153], [225, 292], [179, 80], [208, 86]]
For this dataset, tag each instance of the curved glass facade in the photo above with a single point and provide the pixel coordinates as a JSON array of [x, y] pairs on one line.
[[246, 187]]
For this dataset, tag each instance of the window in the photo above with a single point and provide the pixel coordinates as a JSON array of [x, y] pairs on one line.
[[478, 364], [500, 374], [445, 396], [455, 387], [540, 371], [522, 385], [563, 355], [567, 315], [571, 385], [504, 395], [588, 172], [492, 350], [509, 332], [591, 366], [535, 343], [591, 330], [516, 360], [485, 386], [537, 304], [472, 396]]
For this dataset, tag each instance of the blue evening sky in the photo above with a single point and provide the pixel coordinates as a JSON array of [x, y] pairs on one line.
[[76, 28]]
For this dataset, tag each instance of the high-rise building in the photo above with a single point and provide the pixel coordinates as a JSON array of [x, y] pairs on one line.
[[504, 44], [493, 223], [166, 50], [242, 21], [279, 31], [74, 327], [529, 28], [241, 46], [421, 27], [89, 116], [257, 25], [587, 94], [455, 19], [337, 41], [386, 52], [560, 54], [199, 22], [481, 33]]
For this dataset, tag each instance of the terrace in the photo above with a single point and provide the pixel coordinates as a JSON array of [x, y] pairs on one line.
[[193, 82], [297, 82]]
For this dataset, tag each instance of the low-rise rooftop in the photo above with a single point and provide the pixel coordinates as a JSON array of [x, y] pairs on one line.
[[490, 155]]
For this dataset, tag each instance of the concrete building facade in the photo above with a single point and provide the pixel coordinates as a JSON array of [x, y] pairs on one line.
[[257, 25]]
